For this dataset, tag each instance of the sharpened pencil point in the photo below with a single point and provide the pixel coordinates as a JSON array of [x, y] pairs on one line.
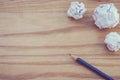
[[74, 57], [69, 54]]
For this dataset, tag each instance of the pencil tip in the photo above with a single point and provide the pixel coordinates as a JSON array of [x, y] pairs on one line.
[[74, 57], [69, 54]]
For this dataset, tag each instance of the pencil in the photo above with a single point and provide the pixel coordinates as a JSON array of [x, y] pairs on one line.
[[92, 68]]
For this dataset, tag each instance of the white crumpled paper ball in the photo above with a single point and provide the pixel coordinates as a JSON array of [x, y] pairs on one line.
[[76, 10], [112, 40], [106, 16]]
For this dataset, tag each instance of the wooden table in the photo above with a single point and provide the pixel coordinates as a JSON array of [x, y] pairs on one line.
[[36, 37]]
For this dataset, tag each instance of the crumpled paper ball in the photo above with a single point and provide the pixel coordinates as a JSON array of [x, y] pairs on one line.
[[106, 16], [112, 40], [76, 10]]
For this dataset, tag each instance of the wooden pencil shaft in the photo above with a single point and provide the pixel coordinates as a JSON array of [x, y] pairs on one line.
[[92, 68]]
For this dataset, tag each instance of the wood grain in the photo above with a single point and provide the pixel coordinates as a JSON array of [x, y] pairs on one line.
[[36, 37]]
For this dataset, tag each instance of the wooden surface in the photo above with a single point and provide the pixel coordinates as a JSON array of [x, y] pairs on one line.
[[36, 37]]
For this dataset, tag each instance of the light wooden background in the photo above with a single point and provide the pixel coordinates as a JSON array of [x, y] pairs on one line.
[[36, 37]]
